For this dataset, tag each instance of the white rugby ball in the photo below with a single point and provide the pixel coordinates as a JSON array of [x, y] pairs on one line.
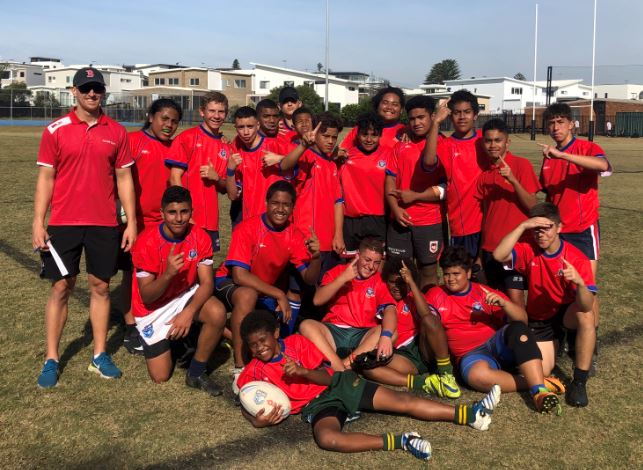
[[121, 217], [258, 395]]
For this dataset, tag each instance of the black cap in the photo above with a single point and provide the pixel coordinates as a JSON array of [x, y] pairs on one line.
[[288, 93], [88, 75]]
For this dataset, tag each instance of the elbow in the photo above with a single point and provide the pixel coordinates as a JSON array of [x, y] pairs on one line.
[[317, 301]]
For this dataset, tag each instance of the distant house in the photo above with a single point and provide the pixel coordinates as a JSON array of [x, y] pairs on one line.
[[21, 72], [623, 91]]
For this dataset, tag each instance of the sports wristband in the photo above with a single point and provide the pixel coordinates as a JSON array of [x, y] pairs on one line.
[[229, 172], [387, 333]]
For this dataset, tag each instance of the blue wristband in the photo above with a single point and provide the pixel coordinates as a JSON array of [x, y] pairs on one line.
[[229, 172], [387, 333]]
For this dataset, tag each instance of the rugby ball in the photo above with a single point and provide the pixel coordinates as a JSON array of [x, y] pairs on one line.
[[121, 217], [258, 395]]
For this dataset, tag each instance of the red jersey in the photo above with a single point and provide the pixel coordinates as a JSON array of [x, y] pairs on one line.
[[548, 290], [265, 251], [254, 177], [192, 149], [319, 191], [467, 320], [388, 139], [502, 210], [362, 181], [357, 304], [150, 176], [408, 321], [463, 161], [407, 167], [85, 158], [572, 188], [149, 256], [302, 352]]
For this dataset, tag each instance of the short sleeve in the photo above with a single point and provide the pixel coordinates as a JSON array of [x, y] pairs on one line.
[[178, 155], [349, 140], [479, 192], [309, 355], [392, 162], [521, 255], [331, 275], [299, 256], [48, 150], [527, 177], [241, 246], [584, 268], [145, 258], [205, 246], [382, 295], [124, 156]]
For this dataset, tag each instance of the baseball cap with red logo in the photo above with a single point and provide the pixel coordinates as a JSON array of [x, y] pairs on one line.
[[88, 75]]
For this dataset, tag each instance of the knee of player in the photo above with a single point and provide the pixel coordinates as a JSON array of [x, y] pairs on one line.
[[585, 320], [431, 324], [523, 343], [99, 288], [328, 440], [479, 377], [245, 298], [61, 290], [213, 313], [307, 326], [159, 378]]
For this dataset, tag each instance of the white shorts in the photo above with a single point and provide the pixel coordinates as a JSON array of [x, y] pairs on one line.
[[153, 327]]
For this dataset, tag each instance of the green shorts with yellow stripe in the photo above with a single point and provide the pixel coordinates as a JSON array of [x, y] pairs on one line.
[[412, 352]]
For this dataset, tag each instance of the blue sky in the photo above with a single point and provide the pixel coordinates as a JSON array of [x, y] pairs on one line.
[[397, 40]]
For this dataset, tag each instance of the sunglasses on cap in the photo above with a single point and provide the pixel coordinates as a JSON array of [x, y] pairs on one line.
[[87, 87]]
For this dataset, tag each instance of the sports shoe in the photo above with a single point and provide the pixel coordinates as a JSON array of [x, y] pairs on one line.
[[132, 342], [554, 385], [433, 385], [353, 417], [491, 400], [577, 394], [449, 386], [236, 372], [417, 446], [203, 382], [227, 344], [104, 367], [545, 402], [48, 377]]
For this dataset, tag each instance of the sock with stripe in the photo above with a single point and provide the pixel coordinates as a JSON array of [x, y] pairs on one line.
[[289, 328], [415, 382], [464, 414], [444, 365], [392, 441]]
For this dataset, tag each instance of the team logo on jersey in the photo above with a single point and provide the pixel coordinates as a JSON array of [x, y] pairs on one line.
[[148, 331], [435, 312], [370, 292], [560, 273], [477, 307], [260, 397], [406, 309], [433, 246], [192, 254], [381, 164], [223, 153]]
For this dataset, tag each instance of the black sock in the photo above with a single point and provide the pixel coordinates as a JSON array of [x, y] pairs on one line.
[[131, 330], [580, 375], [196, 368]]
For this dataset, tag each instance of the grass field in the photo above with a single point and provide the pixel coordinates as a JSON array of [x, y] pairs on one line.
[[88, 422]]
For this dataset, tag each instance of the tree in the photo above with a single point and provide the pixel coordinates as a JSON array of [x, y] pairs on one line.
[[448, 69], [320, 67], [519, 76], [307, 95], [351, 112], [45, 99], [236, 65], [18, 91]]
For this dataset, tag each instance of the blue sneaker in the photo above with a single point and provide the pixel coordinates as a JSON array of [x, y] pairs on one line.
[[49, 375], [484, 408], [104, 367], [417, 446]]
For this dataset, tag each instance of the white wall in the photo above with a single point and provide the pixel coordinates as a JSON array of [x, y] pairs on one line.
[[214, 81], [503, 93], [624, 91]]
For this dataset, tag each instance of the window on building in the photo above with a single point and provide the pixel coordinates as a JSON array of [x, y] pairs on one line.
[[239, 83], [5, 75], [172, 81], [563, 92], [159, 81], [50, 78], [67, 79], [126, 80], [605, 95], [289, 83], [351, 88], [22, 75], [311, 83], [194, 82], [516, 91], [264, 84]]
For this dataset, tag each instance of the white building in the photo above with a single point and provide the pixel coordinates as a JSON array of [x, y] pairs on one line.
[[267, 77], [567, 90], [21, 72], [624, 91], [46, 62], [116, 78]]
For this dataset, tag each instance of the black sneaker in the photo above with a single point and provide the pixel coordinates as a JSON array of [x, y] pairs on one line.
[[132, 342], [577, 394], [203, 382]]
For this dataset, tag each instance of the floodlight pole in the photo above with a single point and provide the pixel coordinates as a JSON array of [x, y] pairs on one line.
[[533, 102], [590, 132], [327, 53]]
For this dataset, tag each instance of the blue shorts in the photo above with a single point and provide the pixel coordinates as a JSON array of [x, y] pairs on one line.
[[494, 352], [470, 242], [587, 241]]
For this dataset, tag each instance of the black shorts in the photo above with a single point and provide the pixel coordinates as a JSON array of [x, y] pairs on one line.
[[124, 262], [223, 290], [101, 246], [470, 242], [236, 212], [422, 242], [214, 238], [550, 329], [587, 241], [500, 278], [328, 260], [358, 228]]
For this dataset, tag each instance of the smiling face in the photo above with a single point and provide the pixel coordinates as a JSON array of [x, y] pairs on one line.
[[303, 123], [496, 144], [397, 287], [390, 108], [279, 209], [463, 117], [213, 115], [247, 130], [368, 263], [176, 216], [548, 238], [289, 106], [263, 345], [419, 121], [164, 123], [368, 139], [89, 96], [456, 279]]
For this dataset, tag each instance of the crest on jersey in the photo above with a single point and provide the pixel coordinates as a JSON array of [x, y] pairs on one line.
[[260, 397], [560, 273], [370, 292], [192, 253], [406, 309], [381, 164], [148, 331], [477, 307], [223, 153], [433, 246]]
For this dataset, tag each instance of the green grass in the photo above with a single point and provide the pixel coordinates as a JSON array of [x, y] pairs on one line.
[[88, 422]]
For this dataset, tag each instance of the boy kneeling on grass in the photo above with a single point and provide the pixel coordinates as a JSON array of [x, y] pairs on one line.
[[325, 399]]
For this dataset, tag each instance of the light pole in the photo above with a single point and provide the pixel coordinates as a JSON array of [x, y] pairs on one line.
[[327, 53], [590, 132], [533, 102]]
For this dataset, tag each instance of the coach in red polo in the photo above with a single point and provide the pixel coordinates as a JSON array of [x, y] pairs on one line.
[[83, 159]]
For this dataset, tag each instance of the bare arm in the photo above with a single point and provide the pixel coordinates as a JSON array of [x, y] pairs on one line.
[[513, 311], [323, 294], [230, 182], [176, 174], [430, 153], [293, 157], [42, 198], [585, 161]]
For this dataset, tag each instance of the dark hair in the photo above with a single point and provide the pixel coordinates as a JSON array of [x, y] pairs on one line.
[[546, 210], [302, 110], [456, 257], [328, 121], [558, 110], [159, 105], [377, 99], [244, 112], [369, 121], [495, 124], [464, 96], [215, 96], [258, 320], [420, 101], [281, 186], [394, 264], [266, 104], [372, 243], [176, 194]]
